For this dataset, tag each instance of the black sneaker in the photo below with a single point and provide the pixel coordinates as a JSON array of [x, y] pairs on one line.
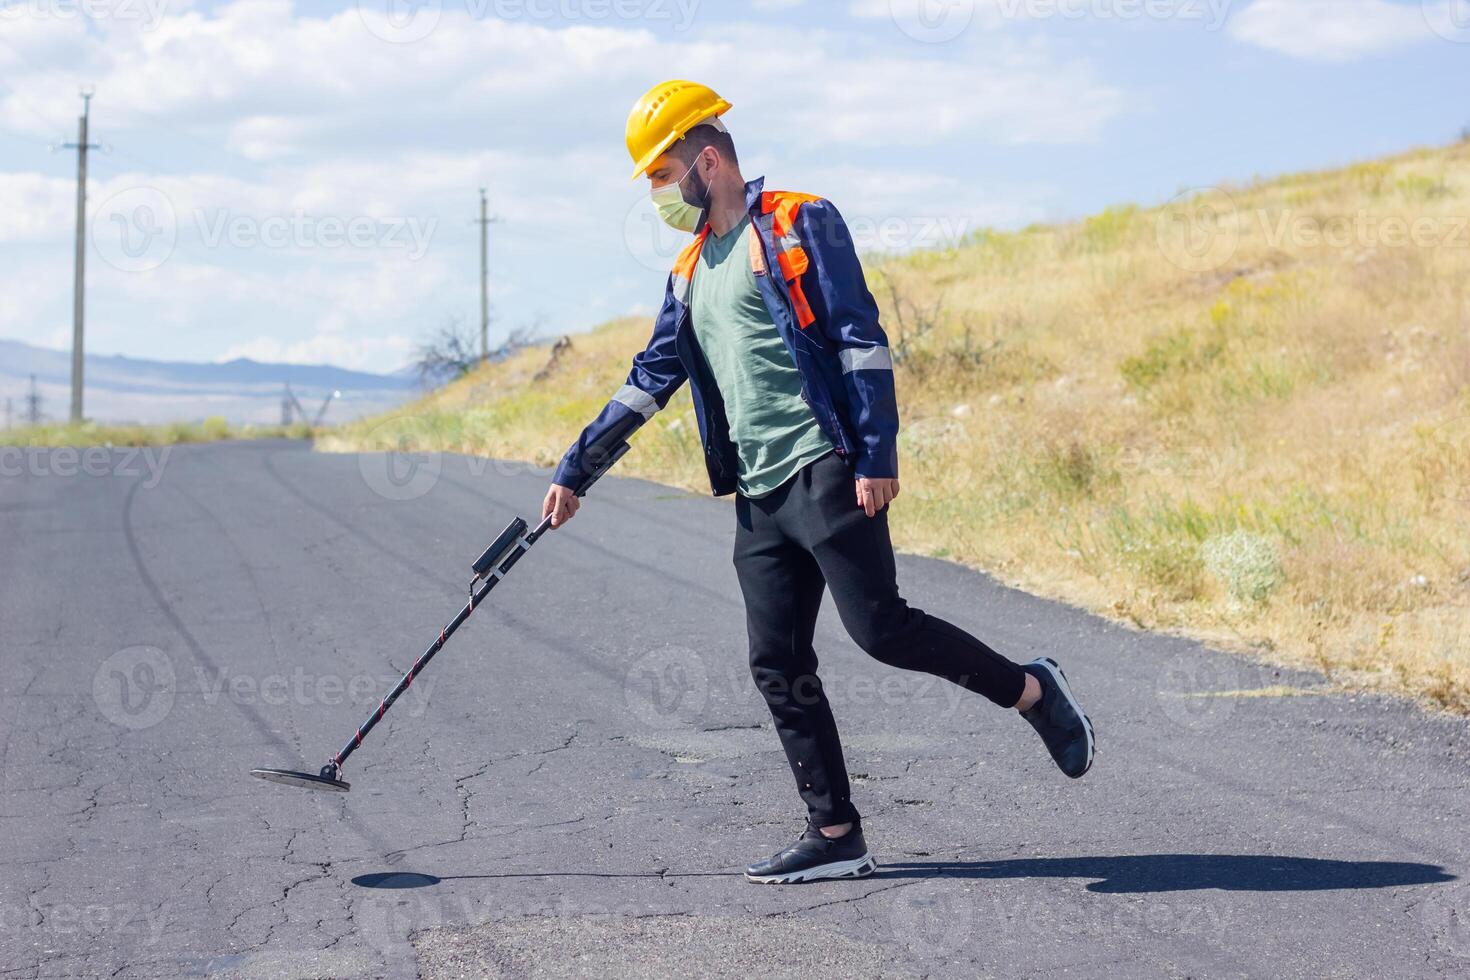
[[816, 856], [1058, 718]]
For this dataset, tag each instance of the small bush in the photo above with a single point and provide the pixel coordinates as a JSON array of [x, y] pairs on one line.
[[1418, 187], [1105, 231], [1246, 563], [1173, 353]]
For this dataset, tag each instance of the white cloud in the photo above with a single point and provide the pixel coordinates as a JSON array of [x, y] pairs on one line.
[[273, 116], [280, 85], [1332, 30], [35, 206]]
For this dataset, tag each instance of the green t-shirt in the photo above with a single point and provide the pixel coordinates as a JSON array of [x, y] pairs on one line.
[[774, 432]]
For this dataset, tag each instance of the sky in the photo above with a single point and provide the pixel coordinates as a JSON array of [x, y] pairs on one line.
[[299, 181]]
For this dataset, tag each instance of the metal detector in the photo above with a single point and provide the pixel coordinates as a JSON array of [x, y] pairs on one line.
[[489, 568]]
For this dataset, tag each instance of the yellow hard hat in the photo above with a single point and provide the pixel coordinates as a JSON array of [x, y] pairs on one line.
[[664, 114]]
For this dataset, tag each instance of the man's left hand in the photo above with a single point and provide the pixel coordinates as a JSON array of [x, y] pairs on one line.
[[872, 494]]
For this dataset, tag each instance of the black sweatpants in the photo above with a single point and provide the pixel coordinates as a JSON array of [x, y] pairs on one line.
[[809, 532]]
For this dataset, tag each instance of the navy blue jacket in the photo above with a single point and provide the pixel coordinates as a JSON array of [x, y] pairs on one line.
[[824, 313]]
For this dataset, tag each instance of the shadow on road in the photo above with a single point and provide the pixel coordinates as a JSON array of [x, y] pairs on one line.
[[1129, 873], [414, 879], [1123, 874]]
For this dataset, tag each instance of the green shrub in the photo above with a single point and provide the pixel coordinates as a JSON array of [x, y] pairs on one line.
[[1246, 563], [1177, 352]]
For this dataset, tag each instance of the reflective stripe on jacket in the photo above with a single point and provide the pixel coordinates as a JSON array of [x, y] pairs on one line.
[[823, 312]]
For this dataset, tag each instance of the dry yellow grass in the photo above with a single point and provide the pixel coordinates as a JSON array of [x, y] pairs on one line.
[[1244, 417], [212, 429]]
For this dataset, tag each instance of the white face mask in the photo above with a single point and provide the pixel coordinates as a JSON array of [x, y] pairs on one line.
[[677, 213]]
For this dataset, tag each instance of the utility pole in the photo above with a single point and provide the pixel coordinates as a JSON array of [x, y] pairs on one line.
[[9, 413], [485, 221], [33, 404], [79, 284]]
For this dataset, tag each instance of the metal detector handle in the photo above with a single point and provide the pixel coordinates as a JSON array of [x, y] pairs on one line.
[[499, 548]]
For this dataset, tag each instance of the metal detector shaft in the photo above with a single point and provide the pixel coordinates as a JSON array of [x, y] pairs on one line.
[[498, 559], [476, 597]]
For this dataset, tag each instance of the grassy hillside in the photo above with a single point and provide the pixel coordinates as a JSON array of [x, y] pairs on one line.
[[1244, 417]]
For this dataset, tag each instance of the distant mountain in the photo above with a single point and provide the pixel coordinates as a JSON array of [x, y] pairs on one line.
[[129, 389]]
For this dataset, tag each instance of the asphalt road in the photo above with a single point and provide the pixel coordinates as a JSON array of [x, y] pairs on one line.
[[573, 786]]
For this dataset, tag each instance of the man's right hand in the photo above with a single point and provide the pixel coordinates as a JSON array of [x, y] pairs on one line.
[[561, 503]]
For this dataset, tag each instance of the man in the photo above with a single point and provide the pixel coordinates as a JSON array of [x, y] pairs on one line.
[[767, 315]]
